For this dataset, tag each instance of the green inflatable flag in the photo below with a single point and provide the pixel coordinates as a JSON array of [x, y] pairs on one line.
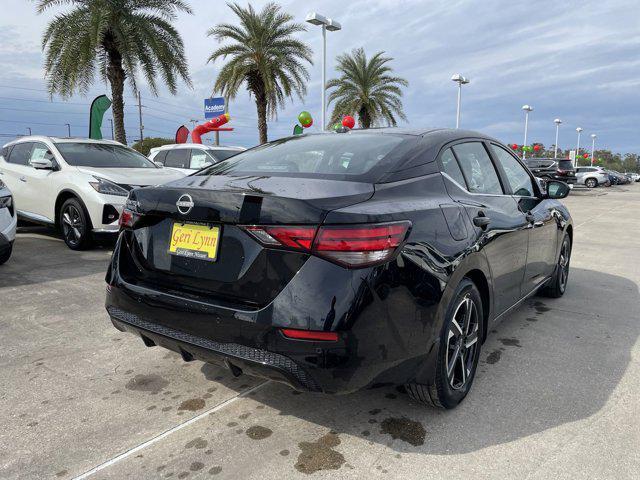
[[99, 105]]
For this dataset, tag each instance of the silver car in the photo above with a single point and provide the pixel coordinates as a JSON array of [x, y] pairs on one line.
[[592, 177], [8, 223]]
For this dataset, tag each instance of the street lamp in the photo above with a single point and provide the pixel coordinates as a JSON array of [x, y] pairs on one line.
[[579, 130], [460, 80], [593, 146], [557, 121], [527, 109], [327, 24]]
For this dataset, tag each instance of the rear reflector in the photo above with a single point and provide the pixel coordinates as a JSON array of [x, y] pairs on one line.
[[310, 335], [349, 245]]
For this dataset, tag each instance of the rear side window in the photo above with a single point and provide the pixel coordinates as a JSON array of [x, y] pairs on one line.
[[477, 168], [160, 157], [178, 158], [450, 167], [21, 153], [200, 159], [565, 165], [223, 154]]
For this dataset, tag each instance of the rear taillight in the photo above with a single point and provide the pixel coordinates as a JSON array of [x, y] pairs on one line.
[[127, 219], [349, 245]]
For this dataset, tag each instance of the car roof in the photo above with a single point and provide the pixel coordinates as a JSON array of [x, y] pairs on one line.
[[196, 145], [43, 138]]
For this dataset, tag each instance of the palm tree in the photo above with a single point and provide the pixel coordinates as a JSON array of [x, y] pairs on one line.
[[263, 55], [116, 37], [366, 88]]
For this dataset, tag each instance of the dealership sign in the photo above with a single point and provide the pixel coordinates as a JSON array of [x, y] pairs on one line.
[[213, 107]]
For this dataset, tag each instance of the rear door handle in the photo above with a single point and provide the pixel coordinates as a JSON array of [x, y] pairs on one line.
[[23, 179], [481, 221]]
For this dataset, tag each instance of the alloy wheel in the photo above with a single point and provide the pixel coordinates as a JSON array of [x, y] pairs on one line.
[[462, 342], [72, 225], [563, 264]]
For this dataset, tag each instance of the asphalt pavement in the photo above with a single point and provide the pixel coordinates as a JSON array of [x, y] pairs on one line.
[[556, 395]]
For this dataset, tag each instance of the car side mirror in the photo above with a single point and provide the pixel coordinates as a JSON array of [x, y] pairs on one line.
[[159, 165], [557, 190], [42, 164]]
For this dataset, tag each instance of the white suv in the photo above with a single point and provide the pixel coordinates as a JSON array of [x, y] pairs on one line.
[[592, 176], [77, 185], [190, 157]]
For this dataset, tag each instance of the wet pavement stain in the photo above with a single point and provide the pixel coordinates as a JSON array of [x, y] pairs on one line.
[[198, 443], [366, 433], [195, 466], [375, 411], [494, 357], [258, 432], [319, 455], [151, 407], [62, 473], [541, 307], [510, 342], [192, 404], [284, 453], [183, 474], [215, 470], [391, 396], [404, 429], [531, 319], [232, 424], [147, 383], [244, 416]]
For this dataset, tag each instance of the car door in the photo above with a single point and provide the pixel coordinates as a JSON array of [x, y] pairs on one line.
[[500, 228], [14, 173], [39, 185], [543, 228]]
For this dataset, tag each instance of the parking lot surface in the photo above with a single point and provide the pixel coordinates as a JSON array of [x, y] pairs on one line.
[[556, 395]]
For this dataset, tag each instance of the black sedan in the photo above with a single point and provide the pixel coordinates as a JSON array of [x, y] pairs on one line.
[[339, 261]]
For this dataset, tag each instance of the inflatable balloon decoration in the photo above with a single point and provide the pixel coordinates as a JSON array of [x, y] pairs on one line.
[[213, 125], [348, 121], [305, 119]]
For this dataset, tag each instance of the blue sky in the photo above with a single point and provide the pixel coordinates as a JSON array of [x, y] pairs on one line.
[[579, 61]]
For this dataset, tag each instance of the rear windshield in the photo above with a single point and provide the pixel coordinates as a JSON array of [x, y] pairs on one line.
[[565, 165], [340, 156], [102, 156]]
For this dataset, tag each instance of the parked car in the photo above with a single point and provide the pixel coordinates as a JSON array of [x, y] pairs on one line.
[[336, 261], [76, 185], [552, 169], [633, 176], [190, 157], [7, 223], [592, 177], [617, 178]]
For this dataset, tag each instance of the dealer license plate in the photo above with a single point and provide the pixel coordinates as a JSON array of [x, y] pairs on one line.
[[194, 241]]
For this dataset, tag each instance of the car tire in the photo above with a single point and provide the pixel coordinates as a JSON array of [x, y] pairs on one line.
[[591, 182], [6, 255], [457, 358], [556, 287], [75, 225]]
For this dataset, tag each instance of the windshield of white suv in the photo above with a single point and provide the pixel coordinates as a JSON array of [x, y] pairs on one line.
[[102, 155]]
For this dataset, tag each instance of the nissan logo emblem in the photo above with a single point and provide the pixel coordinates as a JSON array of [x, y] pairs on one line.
[[185, 204]]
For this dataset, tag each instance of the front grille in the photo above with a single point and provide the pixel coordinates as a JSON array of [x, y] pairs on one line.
[[243, 352]]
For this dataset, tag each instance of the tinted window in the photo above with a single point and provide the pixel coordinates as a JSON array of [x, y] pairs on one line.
[[102, 155], [450, 167], [160, 157], [200, 159], [517, 176], [345, 155], [565, 165], [21, 153], [223, 154], [477, 167], [178, 158]]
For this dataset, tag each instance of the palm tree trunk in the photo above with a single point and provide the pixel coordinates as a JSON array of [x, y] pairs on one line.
[[261, 105], [364, 119], [116, 76]]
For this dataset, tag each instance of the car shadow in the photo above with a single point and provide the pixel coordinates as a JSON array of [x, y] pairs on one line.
[[40, 256], [549, 363]]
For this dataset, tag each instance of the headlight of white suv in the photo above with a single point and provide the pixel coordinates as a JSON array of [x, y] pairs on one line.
[[108, 188]]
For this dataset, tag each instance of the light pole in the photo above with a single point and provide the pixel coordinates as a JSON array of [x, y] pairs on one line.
[[579, 130], [527, 109], [557, 121], [460, 80], [327, 24], [593, 146]]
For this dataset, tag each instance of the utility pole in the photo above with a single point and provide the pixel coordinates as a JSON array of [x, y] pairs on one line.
[[140, 116], [68, 130], [112, 136]]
